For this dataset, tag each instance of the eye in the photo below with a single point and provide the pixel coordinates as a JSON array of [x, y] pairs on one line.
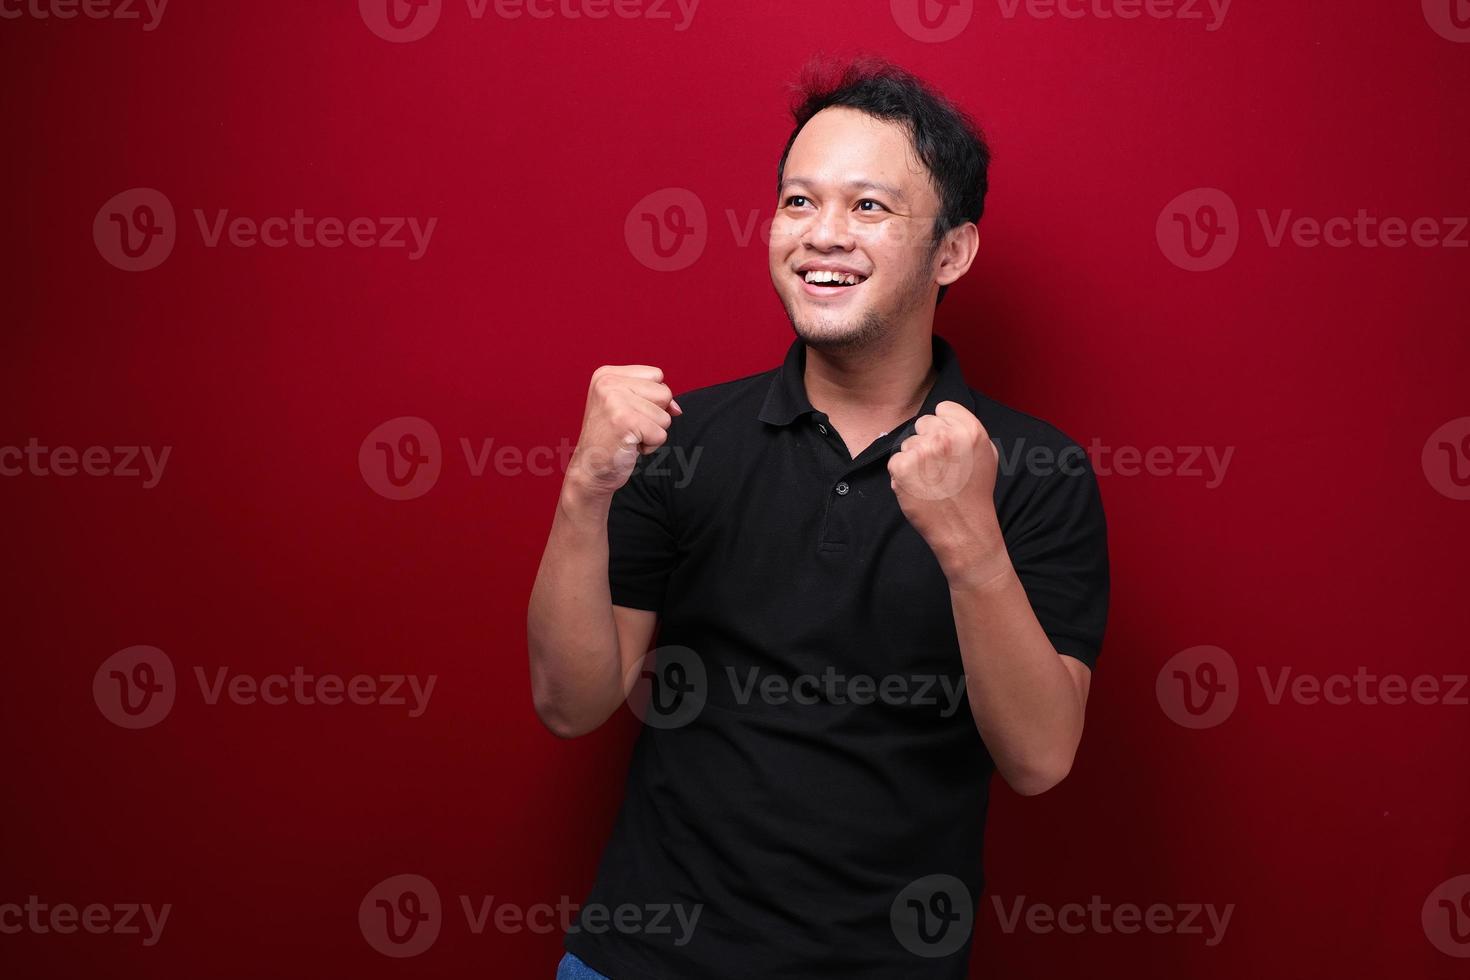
[[869, 200], [794, 197]]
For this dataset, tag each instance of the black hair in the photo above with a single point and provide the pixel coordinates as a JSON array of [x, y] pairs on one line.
[[943, 135]]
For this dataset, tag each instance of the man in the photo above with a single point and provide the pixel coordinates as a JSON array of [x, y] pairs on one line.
[[861, 612]]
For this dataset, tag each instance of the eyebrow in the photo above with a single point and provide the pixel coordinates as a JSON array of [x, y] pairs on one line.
[[888, 189]]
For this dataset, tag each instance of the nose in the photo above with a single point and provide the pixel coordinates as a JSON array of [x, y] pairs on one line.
[[829, 229]]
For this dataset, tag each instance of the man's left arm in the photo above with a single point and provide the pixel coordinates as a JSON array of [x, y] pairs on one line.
[[1027, 698]]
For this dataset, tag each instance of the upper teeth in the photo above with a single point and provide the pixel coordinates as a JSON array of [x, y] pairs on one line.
[[824, 275]]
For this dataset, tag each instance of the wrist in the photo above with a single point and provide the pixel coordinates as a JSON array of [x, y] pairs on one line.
[[582, 507], [980, 564]]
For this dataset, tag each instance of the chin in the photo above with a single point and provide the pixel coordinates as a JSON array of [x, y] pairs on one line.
[[848, 330]]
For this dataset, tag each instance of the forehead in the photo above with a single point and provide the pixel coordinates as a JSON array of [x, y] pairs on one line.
[[840, 145]]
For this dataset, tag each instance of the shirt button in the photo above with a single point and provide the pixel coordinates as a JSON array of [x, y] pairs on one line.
[[842, 487]]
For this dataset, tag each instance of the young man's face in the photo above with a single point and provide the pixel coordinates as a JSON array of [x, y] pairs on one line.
[[855, 197]]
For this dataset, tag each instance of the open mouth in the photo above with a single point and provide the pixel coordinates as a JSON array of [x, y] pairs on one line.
[[823, 283]]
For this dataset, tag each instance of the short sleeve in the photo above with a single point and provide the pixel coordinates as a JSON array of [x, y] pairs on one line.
[[1058, 544], [640, 535]]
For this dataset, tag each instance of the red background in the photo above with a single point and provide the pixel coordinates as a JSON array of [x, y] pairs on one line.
[[1325, 549]]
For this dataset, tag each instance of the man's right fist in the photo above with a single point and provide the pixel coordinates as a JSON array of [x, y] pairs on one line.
[[627, 413]]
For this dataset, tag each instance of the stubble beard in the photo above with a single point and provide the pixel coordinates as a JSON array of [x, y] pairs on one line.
[[836, 332]]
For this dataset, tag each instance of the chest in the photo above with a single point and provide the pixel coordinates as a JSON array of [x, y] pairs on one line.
[[794, 549]]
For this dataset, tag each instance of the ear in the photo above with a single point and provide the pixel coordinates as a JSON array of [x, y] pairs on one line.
[[956, 252]]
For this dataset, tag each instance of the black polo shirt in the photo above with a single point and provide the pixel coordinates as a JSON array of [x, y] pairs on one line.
[[809, 781]]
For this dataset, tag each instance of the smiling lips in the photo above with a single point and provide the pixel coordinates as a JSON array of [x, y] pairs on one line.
[[829, 282]]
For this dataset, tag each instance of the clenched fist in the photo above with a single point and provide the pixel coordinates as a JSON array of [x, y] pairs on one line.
[[944, 478], [627, 413]]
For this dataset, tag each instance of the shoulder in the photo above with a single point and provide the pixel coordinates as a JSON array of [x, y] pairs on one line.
[[724, 393], [711, 410], [1041, 469], [1018, 433]]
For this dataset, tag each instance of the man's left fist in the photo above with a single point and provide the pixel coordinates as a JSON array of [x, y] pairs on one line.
[[944, 478]]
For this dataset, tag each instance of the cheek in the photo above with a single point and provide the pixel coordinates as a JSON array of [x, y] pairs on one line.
[[782, 234]]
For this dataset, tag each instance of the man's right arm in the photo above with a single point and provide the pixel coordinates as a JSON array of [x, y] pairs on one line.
[[582, 647]]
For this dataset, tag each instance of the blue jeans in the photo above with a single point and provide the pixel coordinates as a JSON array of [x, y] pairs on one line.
[[571, 968]]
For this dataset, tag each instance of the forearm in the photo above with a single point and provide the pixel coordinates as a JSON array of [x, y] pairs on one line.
[[576, 680], [1023, 698]]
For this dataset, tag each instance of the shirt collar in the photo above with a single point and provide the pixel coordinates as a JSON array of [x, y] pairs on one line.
[[786, 400]]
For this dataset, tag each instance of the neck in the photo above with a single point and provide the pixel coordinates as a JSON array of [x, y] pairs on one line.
[[884, 384]]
